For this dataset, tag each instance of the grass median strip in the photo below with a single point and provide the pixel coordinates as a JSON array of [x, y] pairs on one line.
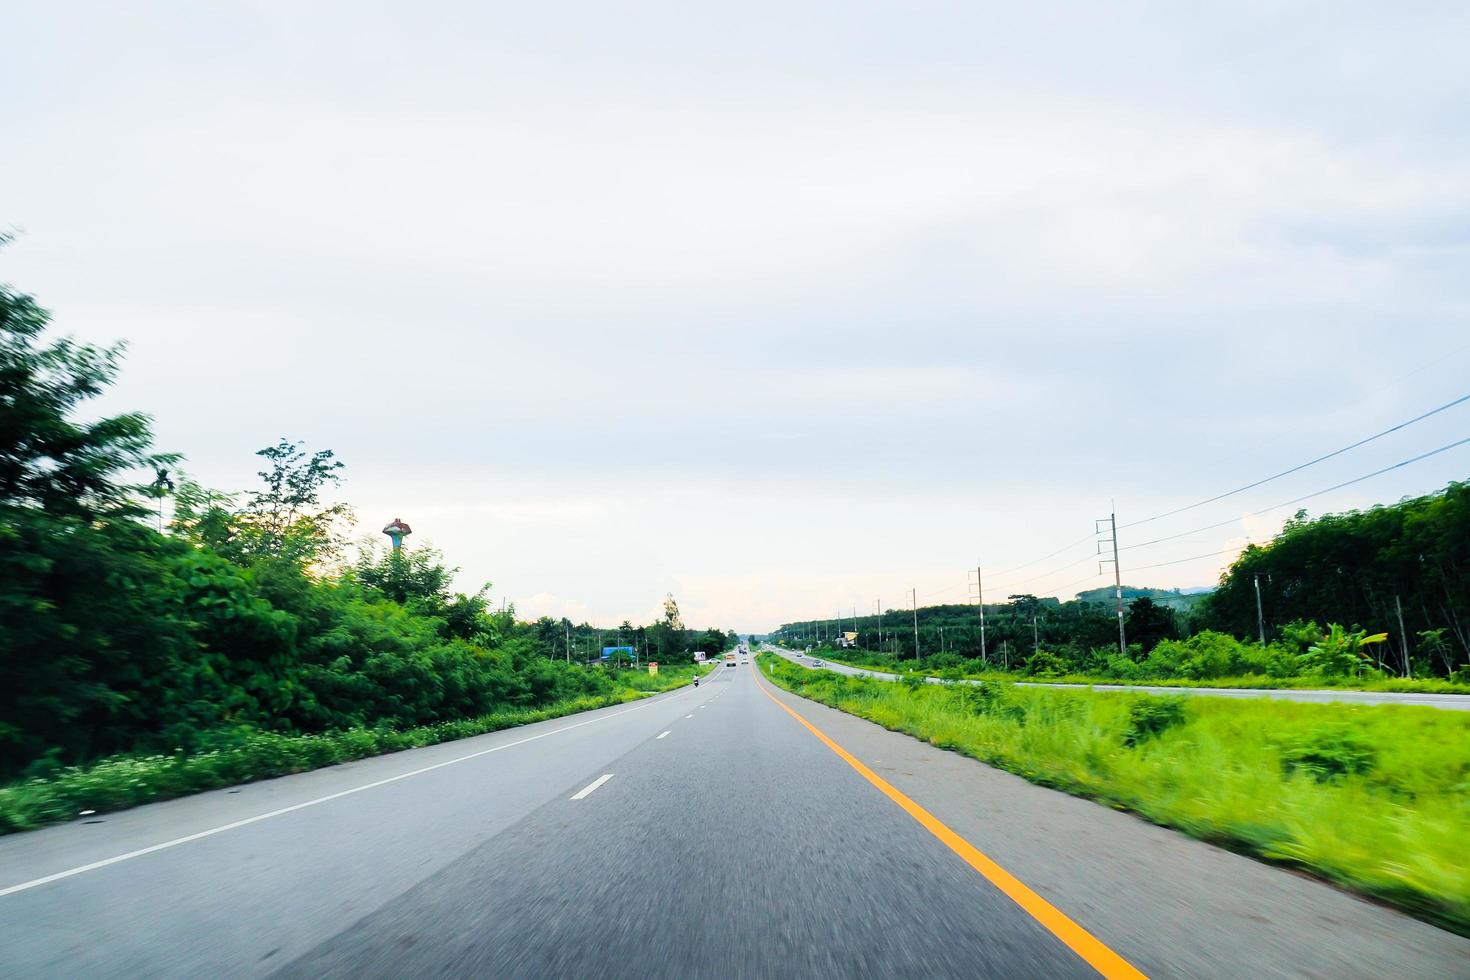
[[1374, 798]]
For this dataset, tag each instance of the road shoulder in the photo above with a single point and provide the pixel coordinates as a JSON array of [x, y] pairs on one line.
[[1170, 904]]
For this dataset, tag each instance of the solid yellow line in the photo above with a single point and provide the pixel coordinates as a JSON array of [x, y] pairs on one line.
[[1079, 940]]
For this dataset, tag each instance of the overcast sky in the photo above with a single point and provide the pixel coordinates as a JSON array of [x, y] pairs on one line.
[[782, 308]]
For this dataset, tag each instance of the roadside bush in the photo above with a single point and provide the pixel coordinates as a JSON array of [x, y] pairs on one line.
[[1121, 668], [1044, 663], [977, 698], [1328, 754], [230, 756], [1149, 718]]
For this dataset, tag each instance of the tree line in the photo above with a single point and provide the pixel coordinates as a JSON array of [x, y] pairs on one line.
[[1383, 591], [245, 611]]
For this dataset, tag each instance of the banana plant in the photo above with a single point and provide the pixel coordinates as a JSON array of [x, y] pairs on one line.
[[1340, 652]]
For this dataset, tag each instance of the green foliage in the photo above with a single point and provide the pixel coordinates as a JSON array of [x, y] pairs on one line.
[[49, 461], [1340, 652], [713, 642], [1043, 663], [1208, 655], [118, 639], [1151, 717], [1358, 568], [285, 519], [230, 756], [1329, 753], [1147, 623], [1373, 798], [1361, 567], [418, 578]]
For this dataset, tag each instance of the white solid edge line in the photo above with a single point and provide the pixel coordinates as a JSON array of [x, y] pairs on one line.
[[586, 791], [664, 735], [117, 859]]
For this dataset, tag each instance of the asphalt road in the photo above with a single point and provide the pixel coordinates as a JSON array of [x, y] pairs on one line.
[[704, 833], [1452, 702]]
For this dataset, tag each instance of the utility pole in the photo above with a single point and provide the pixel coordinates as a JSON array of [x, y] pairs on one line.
[[878, 609], [1035, 640], [980, 601], [1112, 520], [915, 594], [1398, 604], [1261, 615], [569, 640]]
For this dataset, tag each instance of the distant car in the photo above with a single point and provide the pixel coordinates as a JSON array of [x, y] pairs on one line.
[[816, 663]]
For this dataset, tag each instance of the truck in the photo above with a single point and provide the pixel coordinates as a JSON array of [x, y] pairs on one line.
[[730, 659]]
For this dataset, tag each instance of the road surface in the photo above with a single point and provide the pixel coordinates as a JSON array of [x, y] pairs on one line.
[[712, 832], [1452, 702]]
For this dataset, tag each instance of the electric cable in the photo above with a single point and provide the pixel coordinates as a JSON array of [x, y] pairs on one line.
[[1302, 466]]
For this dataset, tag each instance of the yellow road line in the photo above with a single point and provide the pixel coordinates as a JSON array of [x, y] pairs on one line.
[[1079, 940]]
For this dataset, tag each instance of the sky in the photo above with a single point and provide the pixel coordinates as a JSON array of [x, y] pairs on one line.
[[784, 309]]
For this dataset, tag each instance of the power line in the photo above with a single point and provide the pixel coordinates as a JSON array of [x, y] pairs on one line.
[[1080, 581], [952, 588], [1181, 561], [1288, 503], [1017, 568], [1339, 486], [1061, 568], [1294, 469], [1231, 493], [1234, 520]]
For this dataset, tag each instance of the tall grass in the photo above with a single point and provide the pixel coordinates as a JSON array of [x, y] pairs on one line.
[[1374, 798], [1399, 685], [243, 755]]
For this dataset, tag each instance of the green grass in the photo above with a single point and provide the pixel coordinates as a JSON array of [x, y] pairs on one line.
[[1373, 798], [244, 755], [1398, 685]]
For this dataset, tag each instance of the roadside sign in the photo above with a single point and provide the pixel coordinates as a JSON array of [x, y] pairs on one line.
[[653, 667], [607, 652]]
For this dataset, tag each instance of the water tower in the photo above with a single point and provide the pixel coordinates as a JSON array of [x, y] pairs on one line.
[[396, 532]]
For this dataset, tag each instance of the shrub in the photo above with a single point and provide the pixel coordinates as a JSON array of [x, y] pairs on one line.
[[1044, 663], [1148, 718], [1329, 753], [977, 698]]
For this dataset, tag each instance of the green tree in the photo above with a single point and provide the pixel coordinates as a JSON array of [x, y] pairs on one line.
[[85, 614], [1147, 623], [288, 518], [419, 578], [668, 634], [50, 461], [1360, 567]]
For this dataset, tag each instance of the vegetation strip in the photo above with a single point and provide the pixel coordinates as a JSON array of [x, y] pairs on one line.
[[1092, 950], [1373, 798], [1382, 685], [126, 781]]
